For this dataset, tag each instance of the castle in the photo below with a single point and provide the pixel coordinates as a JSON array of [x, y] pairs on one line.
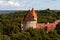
[[30, 20]]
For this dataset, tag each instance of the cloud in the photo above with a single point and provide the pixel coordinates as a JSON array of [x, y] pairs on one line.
[[13, 3], [9, 2], [48, 0], [28, 4]]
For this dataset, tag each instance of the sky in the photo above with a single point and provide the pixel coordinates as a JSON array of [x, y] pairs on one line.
[[28, 4]]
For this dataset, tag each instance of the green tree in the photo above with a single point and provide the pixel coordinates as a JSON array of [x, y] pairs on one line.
[[58, 28]]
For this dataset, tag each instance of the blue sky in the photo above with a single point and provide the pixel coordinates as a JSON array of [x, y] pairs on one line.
[[28, 4]]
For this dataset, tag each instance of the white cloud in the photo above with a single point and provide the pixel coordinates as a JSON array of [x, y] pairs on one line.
[[27, 4], [13, 3]]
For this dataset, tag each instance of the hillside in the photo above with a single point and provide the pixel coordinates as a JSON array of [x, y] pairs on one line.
[[10, 26]]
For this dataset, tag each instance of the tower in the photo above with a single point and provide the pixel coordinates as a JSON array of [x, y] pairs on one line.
[[29, 20]]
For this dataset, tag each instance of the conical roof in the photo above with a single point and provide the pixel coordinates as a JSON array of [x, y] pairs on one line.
[[34, 13], [31, 14]]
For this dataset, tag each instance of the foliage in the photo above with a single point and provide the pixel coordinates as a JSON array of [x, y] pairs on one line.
[[58, 28], [10, 28]]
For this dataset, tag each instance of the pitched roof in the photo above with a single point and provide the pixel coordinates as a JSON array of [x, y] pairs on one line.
[[33, 13], [30, 15]]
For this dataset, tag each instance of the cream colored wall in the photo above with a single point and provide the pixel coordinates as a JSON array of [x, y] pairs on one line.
[[28, 24], [31, 24]]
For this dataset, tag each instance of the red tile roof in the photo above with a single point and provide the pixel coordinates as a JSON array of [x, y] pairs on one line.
[[47, 26], [33, 13], [30, 15]]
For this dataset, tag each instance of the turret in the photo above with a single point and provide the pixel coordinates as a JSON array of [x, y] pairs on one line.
[[30, 19]]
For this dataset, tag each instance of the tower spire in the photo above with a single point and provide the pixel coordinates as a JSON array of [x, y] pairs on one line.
[[33, 12]]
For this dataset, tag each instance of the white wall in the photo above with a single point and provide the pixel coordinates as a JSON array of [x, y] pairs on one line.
[[28, 24]]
